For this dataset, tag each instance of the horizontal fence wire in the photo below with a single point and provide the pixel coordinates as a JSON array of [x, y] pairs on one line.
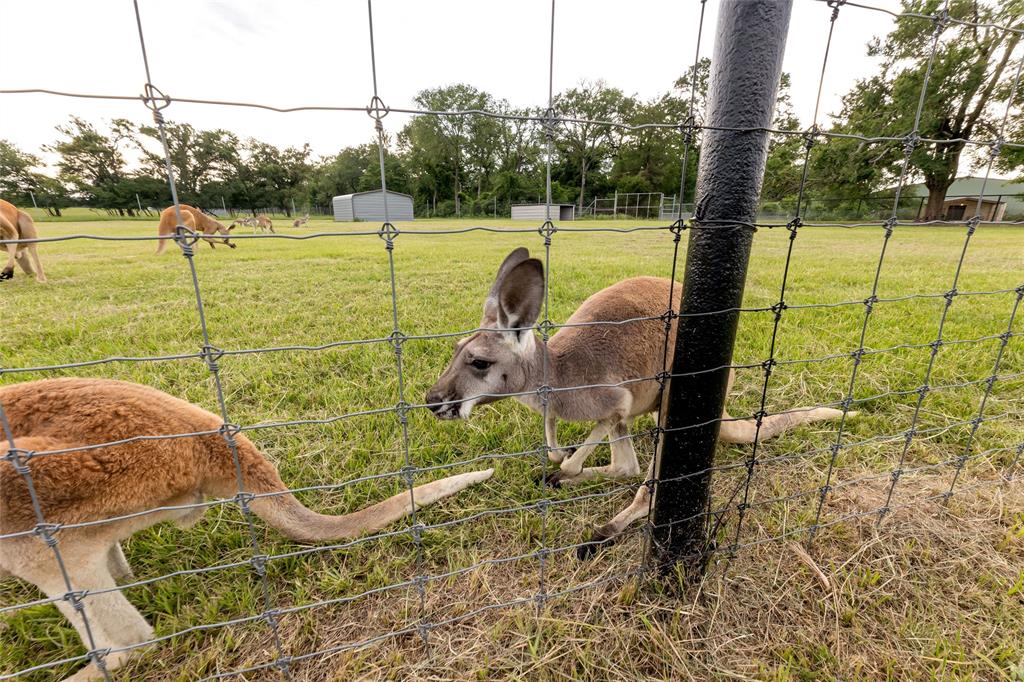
[[727, 520]]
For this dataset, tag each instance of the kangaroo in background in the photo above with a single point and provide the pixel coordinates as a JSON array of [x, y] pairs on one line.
[[15, 224], [301, 222], [506, 357], [195, 220], [263, 223], [245, 222], [133, 477]]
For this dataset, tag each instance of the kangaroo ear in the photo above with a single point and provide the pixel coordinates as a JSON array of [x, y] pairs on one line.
[[521, 294], [490, 317]]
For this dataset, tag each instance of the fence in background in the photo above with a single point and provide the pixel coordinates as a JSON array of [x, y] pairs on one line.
[[685, 521]]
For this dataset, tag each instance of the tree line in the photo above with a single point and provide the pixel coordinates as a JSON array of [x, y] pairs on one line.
[[463, 165]]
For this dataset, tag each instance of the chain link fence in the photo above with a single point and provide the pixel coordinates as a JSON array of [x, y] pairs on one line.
[[709, 520]]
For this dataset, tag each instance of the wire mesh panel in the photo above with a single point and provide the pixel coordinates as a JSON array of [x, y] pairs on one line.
[[524, 541]]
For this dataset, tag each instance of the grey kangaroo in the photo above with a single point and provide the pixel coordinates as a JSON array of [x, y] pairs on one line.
[[506, 356]]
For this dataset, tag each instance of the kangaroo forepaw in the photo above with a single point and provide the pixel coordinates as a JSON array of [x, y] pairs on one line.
[[552, 478], [598, 540], [6, 273]]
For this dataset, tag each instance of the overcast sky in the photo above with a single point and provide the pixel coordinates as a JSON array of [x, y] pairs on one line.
[[317, 52]]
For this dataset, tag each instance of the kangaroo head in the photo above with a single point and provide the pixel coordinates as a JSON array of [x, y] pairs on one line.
[[502, 357]]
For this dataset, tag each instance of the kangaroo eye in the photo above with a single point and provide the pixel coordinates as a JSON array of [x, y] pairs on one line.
[[481, 364]]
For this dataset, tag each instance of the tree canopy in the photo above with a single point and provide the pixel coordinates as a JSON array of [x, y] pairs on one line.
[[467, 164]]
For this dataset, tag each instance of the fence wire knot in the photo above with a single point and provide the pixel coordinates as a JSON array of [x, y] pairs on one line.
[[677, 228], [923, 390], [388, 233], [545, 327], [156, 100], [662, 377], [1005, 337], [889, 225], [408, 474], [941, 20], [778, 308], [794, 225], [186, 238], [547, 230], [45, 532], [895, 475], [271, 617], [688, 128], [1020, 291], [19, 460], [229, 430], [835, 5], [259, 565], [857, 356], [397, 339], [869, 303], [768, 365], [950, 295], [376, 109], [911, 142], [550, 123], [243, 498], [810, 137], [908, 436], [284, 664], [212, 354], [935, 346], [972, 224]]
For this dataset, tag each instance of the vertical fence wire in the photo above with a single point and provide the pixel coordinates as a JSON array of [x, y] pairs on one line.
[[972, 226], [547, 231], [689, 139], [19, 459], [186, 240], [388, 232], [910, 143], [779, 306]]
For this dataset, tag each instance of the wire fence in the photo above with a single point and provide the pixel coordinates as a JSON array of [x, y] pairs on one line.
[[728, 517]]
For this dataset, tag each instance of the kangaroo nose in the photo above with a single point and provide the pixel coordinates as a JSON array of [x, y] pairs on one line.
[[434, 398]]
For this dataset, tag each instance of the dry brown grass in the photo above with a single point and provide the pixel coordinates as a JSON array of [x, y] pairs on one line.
[[933, 594]]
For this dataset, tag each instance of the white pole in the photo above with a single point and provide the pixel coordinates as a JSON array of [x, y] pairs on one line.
[[32, 194]]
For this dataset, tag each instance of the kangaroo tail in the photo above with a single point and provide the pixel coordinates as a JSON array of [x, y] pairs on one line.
[[289, 516]]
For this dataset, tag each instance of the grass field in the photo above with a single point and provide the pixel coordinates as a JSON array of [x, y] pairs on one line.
[[931, 594]]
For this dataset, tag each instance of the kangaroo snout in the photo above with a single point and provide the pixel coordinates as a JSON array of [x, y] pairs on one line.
[[443, 405]]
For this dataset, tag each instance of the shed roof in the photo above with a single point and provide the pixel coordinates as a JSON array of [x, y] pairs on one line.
[[373, 191]]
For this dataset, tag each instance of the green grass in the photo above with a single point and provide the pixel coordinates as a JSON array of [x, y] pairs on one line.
[[899, 599]]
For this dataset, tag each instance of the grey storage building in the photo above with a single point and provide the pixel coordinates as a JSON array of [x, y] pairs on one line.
[[538, 212], [370, 206]]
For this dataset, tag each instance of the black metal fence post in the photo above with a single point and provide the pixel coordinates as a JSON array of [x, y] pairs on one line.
[[745, 71]]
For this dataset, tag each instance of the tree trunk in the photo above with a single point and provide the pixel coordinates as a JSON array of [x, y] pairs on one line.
[[934, 209], [583, 183]]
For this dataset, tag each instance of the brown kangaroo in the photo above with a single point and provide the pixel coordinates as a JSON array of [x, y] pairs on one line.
[[15, 224], [618, 361], [195, 220], [134, 477]]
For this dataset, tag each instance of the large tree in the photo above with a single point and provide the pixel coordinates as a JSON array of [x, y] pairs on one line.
[[198, 157], [19, 180], [439, 149], [586, 142], [91, 162], [966, 92]]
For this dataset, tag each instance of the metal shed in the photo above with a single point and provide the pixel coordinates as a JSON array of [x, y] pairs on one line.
[[538, 212], [370, 206]]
